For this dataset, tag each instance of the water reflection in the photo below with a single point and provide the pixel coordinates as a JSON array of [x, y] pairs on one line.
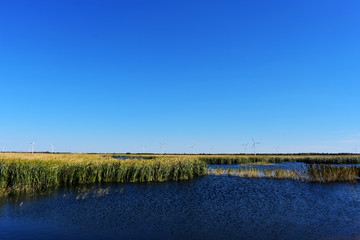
[[208, 207]]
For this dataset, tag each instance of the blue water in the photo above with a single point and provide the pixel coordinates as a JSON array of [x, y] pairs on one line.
[[210, 207]]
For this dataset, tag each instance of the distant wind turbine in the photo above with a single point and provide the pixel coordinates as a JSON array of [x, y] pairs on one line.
[[162, 147], [31, 147], [244, 145], [52, 148], [143, 148], [277, 149], [212, 149], [194, 148], [254, 145], [355, 149]]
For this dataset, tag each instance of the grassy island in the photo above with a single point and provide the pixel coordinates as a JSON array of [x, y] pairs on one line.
[[28, 172]]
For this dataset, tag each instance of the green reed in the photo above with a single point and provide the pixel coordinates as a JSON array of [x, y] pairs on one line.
[[26, 172], [311, 159], [23, 172], [309, 173], [329, 173], [241, 172]]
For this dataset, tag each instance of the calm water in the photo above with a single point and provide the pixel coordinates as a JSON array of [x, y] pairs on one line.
[[210, 207]]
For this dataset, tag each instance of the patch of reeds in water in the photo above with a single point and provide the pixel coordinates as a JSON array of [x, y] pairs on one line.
[[257, 164], [309, 173], [330, 173], [283, 174], [254, 159], [250, 159], [240, 172], [32, 172]]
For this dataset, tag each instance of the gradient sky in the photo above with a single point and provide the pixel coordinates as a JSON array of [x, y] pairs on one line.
[[111, 76]]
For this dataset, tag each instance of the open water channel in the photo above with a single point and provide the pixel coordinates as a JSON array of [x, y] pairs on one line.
[[209, 207]]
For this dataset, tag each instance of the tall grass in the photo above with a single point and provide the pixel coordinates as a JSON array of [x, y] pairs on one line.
[[329, 173], [246, 159], [242, 172], [309, 173], [29, 172], [22, 172]]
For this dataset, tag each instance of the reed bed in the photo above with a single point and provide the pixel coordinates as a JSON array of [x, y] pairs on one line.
[[329, 173], [242, 172], [257, 164], [309, 173], [37, 172], [311, 159], [25, 172], [261, 159]]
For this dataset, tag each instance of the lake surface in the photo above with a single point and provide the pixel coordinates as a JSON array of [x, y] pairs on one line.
[[210, 207]]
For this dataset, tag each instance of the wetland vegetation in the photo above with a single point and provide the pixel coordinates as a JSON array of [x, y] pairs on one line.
[[26, 172], [309, 173], [280, 158]]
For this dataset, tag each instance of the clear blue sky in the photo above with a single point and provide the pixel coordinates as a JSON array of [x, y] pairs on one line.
[[111, 76]]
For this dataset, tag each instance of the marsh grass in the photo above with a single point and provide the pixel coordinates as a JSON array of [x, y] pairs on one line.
[[38, 172], [241, 172], [257, 164], [26, 172], [251, 159], [258, 159], [330, 173], [309, 173]]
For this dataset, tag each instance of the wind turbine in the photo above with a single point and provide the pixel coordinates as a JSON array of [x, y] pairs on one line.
[[194, 148], [277, 149], [162, 147], [254, 145], [212, 149], [52, 148], [143, 149], [33, 146], [244, 145]]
